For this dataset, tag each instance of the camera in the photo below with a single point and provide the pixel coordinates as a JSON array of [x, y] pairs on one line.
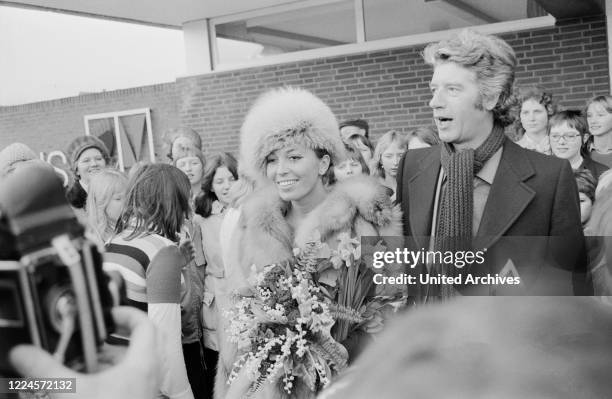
[[53, 292]]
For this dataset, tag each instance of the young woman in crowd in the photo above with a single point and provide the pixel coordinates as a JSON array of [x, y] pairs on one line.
[[290, 142], [87, 155], [389, 151], [354, 165], [145, 251], [179, 139], [568, 132], [599, 118], [422, 137], [104, 203], [535, 107], [190, 161], [363, 144], [220, 175]]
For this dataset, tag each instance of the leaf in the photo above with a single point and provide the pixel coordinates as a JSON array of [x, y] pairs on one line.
[[256, 385], [331, 351], [324, 264], [340, 312], [307, 374], [329, 277]]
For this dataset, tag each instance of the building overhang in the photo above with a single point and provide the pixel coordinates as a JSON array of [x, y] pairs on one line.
[[163, 13], [573, 8], [175, 13]]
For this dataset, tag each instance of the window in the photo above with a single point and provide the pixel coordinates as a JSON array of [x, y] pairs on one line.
[[127, 135], [292, 28], [321, 28], [393, 18]]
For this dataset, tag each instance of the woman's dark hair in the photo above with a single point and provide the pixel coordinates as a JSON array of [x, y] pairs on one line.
[[354, 154], [576, 120], [358, 138], [76, 195], [157, 202], [586, 183], [204, 201], [329, 173], [605, 102]]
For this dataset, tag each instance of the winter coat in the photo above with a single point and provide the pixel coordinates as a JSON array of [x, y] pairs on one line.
[[214, 280], [359, 205], [192, 287]]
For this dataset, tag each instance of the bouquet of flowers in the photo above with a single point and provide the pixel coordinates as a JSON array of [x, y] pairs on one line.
[[300, 311], [285, 329]]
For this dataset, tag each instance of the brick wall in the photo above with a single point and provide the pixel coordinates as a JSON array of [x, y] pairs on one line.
[[388, 88], [391, 88], [51, 125]]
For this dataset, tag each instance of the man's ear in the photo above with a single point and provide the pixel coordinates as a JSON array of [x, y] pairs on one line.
[[490, 102]]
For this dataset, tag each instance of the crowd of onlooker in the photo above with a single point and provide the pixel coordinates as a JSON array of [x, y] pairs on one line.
[[583, 137], [190, 198]]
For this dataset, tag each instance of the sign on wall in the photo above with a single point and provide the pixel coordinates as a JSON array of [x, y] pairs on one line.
[[127, 135]]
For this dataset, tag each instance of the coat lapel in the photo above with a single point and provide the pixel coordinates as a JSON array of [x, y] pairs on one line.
[[422, 191], [509, 195]]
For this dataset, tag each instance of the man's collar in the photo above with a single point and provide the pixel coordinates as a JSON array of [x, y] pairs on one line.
[[489, 169]]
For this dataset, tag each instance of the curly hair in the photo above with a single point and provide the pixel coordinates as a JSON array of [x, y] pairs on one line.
[[491, 58], [538, 94]]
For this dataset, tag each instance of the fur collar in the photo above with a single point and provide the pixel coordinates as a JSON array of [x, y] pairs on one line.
[[359, 205]]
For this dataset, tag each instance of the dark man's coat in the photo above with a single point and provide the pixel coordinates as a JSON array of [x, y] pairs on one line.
[[531, 195]]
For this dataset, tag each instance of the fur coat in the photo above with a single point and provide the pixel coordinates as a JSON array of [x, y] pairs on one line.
[[359, 205]]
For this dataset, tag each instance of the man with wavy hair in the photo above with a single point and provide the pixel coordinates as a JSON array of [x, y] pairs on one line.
[[477, 186]]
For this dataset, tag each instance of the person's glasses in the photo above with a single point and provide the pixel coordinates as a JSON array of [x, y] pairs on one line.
[[566, 137]]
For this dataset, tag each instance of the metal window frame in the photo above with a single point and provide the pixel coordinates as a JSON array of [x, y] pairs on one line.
[[362, 44], [115, 116], [213, 22]]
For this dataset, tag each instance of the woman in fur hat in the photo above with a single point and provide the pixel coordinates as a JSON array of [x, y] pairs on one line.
[[289, 143], [88, 155]]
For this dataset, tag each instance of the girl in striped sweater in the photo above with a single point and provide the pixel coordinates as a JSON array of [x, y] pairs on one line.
[[145, 252]]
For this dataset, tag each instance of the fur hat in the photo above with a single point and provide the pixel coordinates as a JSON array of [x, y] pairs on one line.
[[283, 116], [13, 153], [82, 143]]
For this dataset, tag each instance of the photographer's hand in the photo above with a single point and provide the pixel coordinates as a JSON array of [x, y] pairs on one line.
[[135, 377]]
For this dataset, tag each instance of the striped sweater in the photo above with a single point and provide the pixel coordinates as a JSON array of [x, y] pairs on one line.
[[151, 268]]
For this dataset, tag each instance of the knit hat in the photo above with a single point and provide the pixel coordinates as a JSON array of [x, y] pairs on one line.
[[284, 116], [13, 153], [190, 152], [82, 143]]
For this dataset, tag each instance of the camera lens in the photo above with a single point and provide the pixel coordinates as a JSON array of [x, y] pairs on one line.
[[60, 303]]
